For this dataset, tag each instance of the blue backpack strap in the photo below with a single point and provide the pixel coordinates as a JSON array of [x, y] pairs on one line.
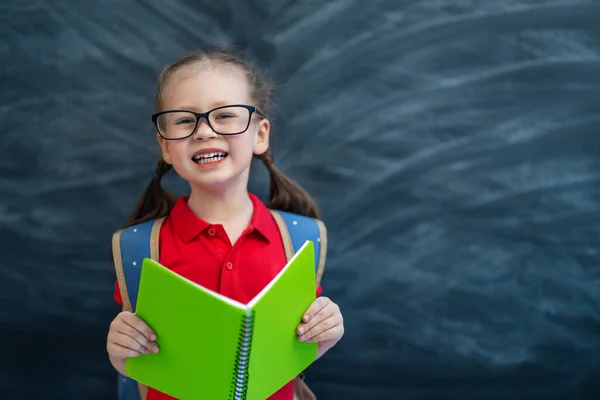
[[130, 246], [296, 229]]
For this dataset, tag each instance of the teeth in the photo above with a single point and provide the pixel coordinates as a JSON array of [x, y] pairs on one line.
[[209, 157]]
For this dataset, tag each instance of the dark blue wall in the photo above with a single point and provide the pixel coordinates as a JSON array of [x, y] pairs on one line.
[[453, 147]]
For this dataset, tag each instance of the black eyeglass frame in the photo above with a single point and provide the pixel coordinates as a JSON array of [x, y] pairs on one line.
[[205, 115]]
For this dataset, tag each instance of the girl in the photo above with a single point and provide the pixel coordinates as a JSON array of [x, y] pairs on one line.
[[211, 120]]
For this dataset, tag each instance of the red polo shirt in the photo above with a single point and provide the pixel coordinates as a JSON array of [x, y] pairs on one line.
[[203, 253]]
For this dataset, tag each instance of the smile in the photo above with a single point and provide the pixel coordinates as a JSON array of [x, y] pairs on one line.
[[209, 157]]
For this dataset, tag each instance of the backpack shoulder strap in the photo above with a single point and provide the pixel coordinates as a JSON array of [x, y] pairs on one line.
[[129, 247], [296, 229]]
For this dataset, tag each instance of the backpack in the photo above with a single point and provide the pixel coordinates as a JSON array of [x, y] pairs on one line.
[[134, 243]]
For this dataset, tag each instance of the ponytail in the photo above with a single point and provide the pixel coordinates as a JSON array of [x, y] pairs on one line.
[[155, 202], [285, 194]]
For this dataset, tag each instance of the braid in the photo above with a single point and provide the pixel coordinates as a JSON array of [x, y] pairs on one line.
[[155, 201], [285, 194]]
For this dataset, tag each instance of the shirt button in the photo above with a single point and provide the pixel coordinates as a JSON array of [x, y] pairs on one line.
[[229, 266], [211, 232]]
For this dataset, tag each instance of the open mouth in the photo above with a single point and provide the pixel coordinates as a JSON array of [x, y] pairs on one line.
[[207, 158]]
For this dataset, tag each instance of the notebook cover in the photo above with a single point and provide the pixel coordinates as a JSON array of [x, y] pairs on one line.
[[277, 356], [197, 333], [200, 333]]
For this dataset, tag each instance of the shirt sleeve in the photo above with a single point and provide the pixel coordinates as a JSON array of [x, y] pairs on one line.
[[117, 294]]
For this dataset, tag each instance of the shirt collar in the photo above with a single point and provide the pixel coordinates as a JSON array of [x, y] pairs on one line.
[[188, 226], [262, 219], [185, 223]]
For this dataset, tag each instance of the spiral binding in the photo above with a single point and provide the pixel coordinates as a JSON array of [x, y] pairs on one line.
[[241, 375]]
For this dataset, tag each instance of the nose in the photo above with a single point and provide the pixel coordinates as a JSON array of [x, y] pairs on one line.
[[204, 131]]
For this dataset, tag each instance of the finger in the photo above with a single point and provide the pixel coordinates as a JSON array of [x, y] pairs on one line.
[[123, 341], [334, 333], [323, 326], [315, 308], [119, 351], [129, 342], [136, 322], [324, 313], [141, 339]]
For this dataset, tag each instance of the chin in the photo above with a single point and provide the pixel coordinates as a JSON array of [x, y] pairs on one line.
[[213, 181]]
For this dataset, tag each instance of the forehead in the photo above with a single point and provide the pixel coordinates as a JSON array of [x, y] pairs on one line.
[[206, 86]]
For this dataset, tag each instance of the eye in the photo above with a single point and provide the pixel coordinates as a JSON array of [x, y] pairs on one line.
[[226, 116], [185, 121]]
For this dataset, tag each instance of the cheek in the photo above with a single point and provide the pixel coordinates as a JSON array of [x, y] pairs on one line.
[[240, 147], [177, 152]]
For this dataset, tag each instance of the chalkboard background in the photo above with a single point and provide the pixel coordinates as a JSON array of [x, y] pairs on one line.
[[453, 147]]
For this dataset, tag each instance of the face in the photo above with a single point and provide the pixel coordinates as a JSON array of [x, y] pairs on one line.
[[202, 89]]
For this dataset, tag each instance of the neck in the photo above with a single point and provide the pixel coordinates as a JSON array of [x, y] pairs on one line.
[[222, 205]]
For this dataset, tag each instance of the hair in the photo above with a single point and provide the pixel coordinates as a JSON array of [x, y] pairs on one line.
[[284, 193]]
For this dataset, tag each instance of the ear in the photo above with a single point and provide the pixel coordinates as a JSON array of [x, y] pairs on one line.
[[261, 143], [164, 146]]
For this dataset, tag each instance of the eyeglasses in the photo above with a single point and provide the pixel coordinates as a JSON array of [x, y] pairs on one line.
[[226, 120]]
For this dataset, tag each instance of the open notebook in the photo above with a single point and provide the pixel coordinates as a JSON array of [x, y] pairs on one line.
[[212, 347]]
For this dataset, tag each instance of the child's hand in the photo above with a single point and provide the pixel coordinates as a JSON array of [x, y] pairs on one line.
[[323, 323], [129, 336]]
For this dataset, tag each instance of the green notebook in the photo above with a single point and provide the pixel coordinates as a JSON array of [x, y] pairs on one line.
[[213, 347]]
